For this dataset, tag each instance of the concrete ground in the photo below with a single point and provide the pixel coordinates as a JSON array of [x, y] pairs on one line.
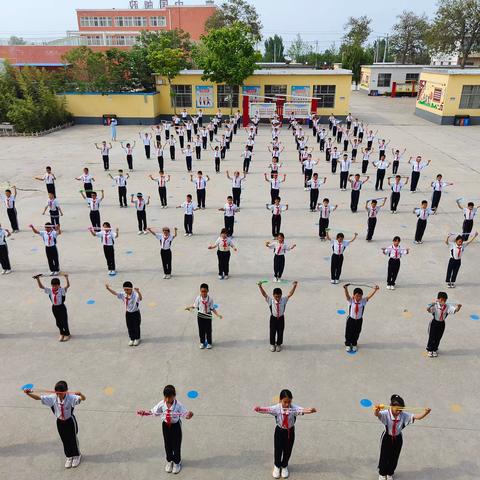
[[225, 438]]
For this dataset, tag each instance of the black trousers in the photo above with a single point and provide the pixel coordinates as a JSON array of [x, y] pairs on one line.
[[372, 222], [12, 216], [122, 196], [200, 121], [283, 441], [160, 162], [61, 318], [313, 199], [452, 269], [236, 193], [355, 131], [322, 144], [52, 258], [390, 449], [334, 165], [466, 229], [4, 259], [95, 219], [88, 187], [343, 179], [172, 152], [278, 265], [336, 266], [188, 161], [380, 178], [276, 223], [435, 334], [162, 193], [352, 331], [166, 255], [147, 151], [246, 165], [420, 230], [307, 176], [205, 328], [210, 135], [172, 437], [130, 161], [364, 166], [223, 262], [334, 131], [322, 227], [68, 429], [369, 144], [274, 193], [204, 142], [223, 151], [201, 194], [54, 217], [188, 223], [142, 220], [133, 320], [106, 162], [345, 145], [436, 196], [229, 224], [198, 153], [354, 154], [392, 270], [158, 139], [355, 196], [217, 164], [109, 252], [394, 199], [182, 140], [339, 137], [414, 181], [395, 165], [277, 327]]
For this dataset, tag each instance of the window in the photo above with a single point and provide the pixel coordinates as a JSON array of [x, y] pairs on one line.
[[275, 91], [95, 22], [223, 96], [182, 96], [94, 40], [470, 96], [384, 79], [325, 95], [140, 21], [412, 77], [158, 21], [124, 21]]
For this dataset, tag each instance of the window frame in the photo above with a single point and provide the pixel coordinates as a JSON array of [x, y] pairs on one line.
[[186, 96], [160, 21], [416, 79], [275, 90], [384, 76], [467, 100], [325, 99], [224, 91]]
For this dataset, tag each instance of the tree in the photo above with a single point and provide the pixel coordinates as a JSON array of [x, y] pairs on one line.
[[354, 56], [13, 40], [274, 49], [456, 28], [408, 42], [357, 30], [298, 49], [228, 56], [236, 11]]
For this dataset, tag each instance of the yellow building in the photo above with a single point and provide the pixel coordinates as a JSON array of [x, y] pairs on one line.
[[446, 94], [331, 88]]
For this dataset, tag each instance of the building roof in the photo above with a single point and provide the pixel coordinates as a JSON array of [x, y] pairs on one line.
[[453, 71], [41, 64], [283, 71], [394, 65]]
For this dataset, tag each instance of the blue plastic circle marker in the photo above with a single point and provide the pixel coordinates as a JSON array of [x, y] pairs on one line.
[[352, 352], [326, 258], [34, 249], [129, 252], [90, 302], [341, 312], [216, 305], [27, 386], [365, 402], [475, 317], [404, 226], [192, 394]]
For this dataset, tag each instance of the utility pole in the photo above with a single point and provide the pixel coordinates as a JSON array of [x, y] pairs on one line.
[[316, 53], [376, 51], [274, 51], [385, 49]]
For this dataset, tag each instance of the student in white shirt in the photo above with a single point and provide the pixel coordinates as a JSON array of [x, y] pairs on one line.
[[216, 157], [105, 151], [4, 258], [277, 306], [165, 238], [229, 211], [141, 207], [49, 180], [200, 183], [223, 244], [57, 296], [62, 403], [159, 150], [334, 156], [396, 188], [205, 306], [49, 237], [87, 180], [394, 254], [338, 247], [438, 186], [274, 185], [308, 165], [170, 411], [188, 152], [10, 200], [188, 207], [345, 164], [469, 214], [157, 131], [366, 152], [107, 237], [121, 182], [382, 147], [417, 166], [172, 142], [128, 149], [237, 184], [325, 210], [279, 248], [131, 298], [356, 183], [381, 166], [54, 209], [247, 157], [397, 156], [456, 248], [94, 206], [285, 413], [162, 180], [314, 186], [422, 213], [146, 139], [276, 208], [372, 211], [395, 420], [440, 310], [355, 315]]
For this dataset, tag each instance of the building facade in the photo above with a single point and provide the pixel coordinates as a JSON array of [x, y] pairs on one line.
[[379, 77]]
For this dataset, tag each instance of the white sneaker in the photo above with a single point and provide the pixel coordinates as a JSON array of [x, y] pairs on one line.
[[169, 276], [201, 346], [52, 274], [348, 349], [381, 477], [225, 277], [136, 342], [337, 281], [272, 348], [6, 272], [285, 472], [130, 343], [145, 232], [389, 477], [332, 281], [392, 287], [453, 285], [190, 234], [140, 232], [430, 354], [434, 354], [169, 467], [185, 234], [279, 348], [176, 468], [276, 472], [354, 349], [220, 277], [165, 276], [68, 462], [209, 346], [76, 461]]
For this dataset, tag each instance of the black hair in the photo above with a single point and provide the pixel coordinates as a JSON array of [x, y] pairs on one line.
[[442, 295], [120, 171], [229, 197], [358, 290], [55, 281], [107, 224], [61, 386], [127, 285], [398, 176], [459, 237], [396, 238], [340, 235], [286, 394], [199, 172], [223, 230], [48, 224], [48, 168], [203, 285], [8, 190], [397, 401], [470, 204], [277, 198], [189, 196], [161, 172], [439, 175], [424, 201], [281, 235], [93, 193], [325, 200], [169, 391], [277, 291]]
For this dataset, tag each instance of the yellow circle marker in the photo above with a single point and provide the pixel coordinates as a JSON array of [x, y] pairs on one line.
[[276, 399], [152, 304], [425, 354], [407, 314], [108, 391], [456, 408]]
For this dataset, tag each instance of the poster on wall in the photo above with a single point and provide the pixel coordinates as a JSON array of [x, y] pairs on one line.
[[252, 91], [204, 96], [301, 93], [431, 95], [262, 110]]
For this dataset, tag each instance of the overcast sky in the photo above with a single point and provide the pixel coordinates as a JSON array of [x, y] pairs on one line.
[[315, 20]]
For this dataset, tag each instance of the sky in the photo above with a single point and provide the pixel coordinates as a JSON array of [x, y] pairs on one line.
[[315, 20]]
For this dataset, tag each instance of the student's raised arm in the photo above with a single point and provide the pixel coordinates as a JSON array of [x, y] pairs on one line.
[[103, 194], [292, 291], [67, 280], [29, 393], [347, 293], [113, 292], [139, 293], [422, 415], [262, 290], [459, 205], [472, 239], [373, 292], [39, 282], [355, 235], [34, 230]]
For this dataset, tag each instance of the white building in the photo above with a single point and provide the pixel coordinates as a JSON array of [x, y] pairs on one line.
[[379, 77]]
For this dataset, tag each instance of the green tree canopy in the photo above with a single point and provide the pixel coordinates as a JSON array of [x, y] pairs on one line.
[[357, 30], [274, 49], [13, 40], [298, 49]]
